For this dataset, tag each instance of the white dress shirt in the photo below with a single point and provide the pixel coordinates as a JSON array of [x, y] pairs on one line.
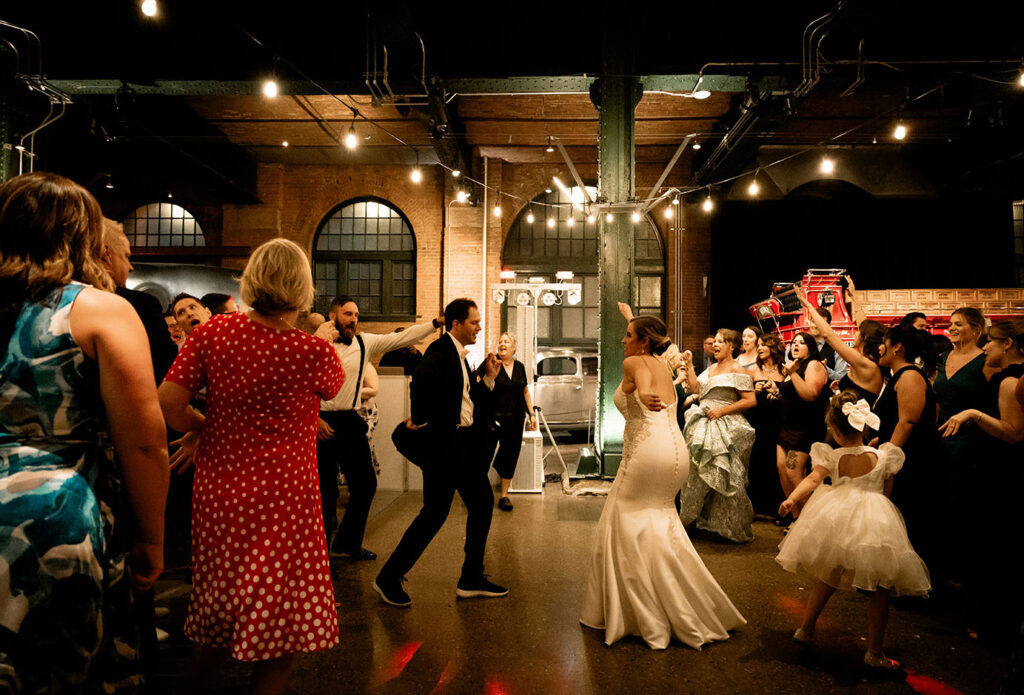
[[376, 345], [466, 416]]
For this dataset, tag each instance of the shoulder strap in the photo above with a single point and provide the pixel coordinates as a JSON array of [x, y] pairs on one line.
[[362, 361]]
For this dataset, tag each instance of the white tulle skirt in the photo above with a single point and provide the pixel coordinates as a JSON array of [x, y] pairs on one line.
[[852, 538]]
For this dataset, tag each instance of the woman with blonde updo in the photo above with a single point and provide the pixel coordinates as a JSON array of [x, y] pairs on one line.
[[720, 440], [645, 577]]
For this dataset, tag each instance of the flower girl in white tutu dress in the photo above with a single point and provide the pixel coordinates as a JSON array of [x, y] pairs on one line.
[[849, 535]]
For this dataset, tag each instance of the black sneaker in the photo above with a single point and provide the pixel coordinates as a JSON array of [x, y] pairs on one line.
[[479, 587], [360, 554], [391, 591], [505, 504]]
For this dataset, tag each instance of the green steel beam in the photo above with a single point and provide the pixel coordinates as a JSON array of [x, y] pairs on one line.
[[616, 95], [468, 86]]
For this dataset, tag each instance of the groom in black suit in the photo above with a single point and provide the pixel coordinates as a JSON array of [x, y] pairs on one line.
[[453, 407]]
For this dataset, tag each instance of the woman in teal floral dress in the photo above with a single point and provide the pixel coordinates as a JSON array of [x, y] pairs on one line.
[[74, 367]]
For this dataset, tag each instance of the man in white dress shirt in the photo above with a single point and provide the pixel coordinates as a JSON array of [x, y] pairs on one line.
[[341, 431]]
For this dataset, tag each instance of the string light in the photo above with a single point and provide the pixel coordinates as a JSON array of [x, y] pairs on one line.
[[609, 218], [270, 89], [529, 215], [900, 131], [1021, 78], [351, 141], [284, 143], [461, 196], [497, 206], [675, 201], [696, 146], [668, 212], [635, 216], [827, 166], [708, 204], [571, 221], [591, 218], [549, 148], [110, 184], [551, 222], [149, 8], [753, 189], [456, 173]]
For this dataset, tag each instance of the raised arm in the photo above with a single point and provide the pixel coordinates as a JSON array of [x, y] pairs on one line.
[[690, 375], [626, 312], [377, 345], [852, 357], [856, 312]]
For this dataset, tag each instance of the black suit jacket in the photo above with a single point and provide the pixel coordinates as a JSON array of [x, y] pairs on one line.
[[436, 390], [161, 348]]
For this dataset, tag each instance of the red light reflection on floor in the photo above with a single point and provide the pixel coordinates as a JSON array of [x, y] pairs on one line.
[[926, 685], [790, 605], [495, 688], [394, 667], [445, 680]]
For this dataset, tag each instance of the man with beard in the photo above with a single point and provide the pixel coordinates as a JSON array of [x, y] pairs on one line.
[[341, 432]]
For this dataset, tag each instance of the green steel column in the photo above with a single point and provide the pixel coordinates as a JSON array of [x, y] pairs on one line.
[[616, 94]]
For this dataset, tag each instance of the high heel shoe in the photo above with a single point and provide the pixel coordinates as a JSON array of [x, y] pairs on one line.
[[802, 637], [880, 663]]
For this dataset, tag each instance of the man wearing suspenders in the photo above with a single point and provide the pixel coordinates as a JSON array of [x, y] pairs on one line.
[[341, 432]]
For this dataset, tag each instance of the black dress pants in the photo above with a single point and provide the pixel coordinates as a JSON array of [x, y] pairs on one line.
[[349, 449], [458, 466], [510, 442]]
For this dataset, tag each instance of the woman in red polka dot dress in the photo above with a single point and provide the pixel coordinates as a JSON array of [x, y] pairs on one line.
[[261, 581]]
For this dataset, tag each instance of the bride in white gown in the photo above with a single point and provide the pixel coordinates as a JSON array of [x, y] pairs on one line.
[[645, 577]]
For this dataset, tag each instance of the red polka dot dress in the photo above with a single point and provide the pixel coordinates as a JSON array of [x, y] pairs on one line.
[[261, 581]]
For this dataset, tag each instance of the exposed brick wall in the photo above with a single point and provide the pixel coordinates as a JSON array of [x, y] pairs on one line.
[[295, 199]]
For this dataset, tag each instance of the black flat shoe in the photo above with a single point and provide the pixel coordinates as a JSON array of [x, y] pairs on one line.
[[505, 504]]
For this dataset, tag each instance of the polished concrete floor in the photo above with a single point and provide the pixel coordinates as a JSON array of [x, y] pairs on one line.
[[532, 642]]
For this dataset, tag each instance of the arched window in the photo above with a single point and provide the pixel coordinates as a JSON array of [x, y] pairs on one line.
[[366, 249], [550, 243], [163, 225]]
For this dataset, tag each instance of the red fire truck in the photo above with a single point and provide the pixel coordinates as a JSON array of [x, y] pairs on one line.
[[828, 287]]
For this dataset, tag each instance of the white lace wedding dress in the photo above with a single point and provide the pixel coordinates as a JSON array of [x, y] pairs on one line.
[[645, 577]]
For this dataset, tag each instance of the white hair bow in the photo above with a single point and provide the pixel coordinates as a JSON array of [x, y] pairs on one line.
[[859, 414]]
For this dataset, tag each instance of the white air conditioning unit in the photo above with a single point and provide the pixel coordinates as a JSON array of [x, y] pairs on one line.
[[529, 476]]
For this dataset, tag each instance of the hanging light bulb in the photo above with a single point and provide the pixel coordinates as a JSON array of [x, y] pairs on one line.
[[591, 218], [497, 209], [461, 196], [609, 218], [456, 173], [270, 89], [571, 221], [549, 148], [149, 8], [753, 189], [551, 222], [529, 215], [284, 143], [668, 212], [708, 204], [675, 201], [696, 146], [827, 165], [110, 184], [635, 216], [701, 94], [900, 131], [351, 141], [416, 175], [1021, 80]]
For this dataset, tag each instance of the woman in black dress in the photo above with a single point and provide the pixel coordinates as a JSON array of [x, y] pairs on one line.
[[764, 490], [864, 377], [804, 397], [999, 424], [907, 411], [511, 406]]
